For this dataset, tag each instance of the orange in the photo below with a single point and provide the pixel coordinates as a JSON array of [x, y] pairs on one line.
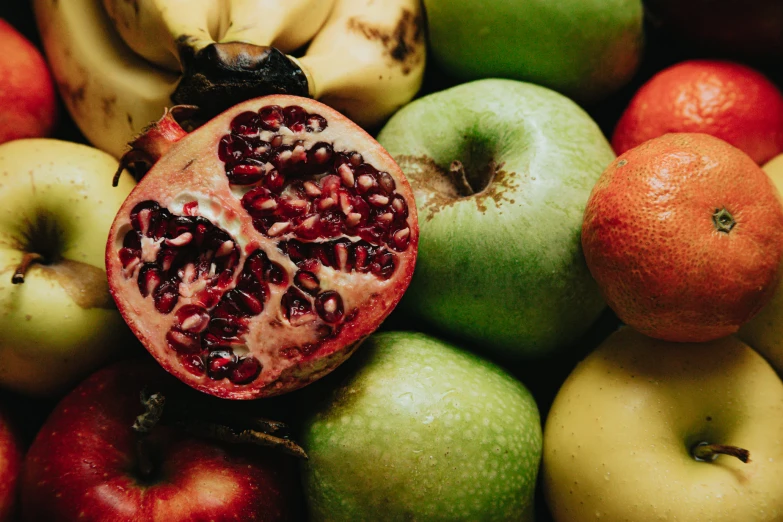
[[684, 235], [724, 99]]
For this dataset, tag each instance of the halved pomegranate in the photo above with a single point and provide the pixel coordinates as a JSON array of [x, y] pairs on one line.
[[260, 249]]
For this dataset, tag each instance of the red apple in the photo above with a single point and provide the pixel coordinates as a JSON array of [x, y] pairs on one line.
[[27, 93], [10, 464], [88, 464]]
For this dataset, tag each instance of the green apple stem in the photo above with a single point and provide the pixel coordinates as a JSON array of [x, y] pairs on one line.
[[707, 452], [28, 259]]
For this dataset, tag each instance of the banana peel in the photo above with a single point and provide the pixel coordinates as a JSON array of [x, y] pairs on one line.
[[119, 64]]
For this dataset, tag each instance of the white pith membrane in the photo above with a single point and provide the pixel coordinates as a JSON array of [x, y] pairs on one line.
[[314, 312]]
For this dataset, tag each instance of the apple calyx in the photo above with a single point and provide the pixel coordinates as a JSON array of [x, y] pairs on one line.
[[28, 259], [705, 452], [250, 430]]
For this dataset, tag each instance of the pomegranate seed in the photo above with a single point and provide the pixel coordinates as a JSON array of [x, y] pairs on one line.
[[299, 154], [383, 264], [341, 255], [166, 297], [226, 247], [345, 203], [316, 123], [246, 173], [193, 363], [233, 148], [248, 302], [295, 118], [276, 141], [128, 256], [297, 307], [279, 228], [293, 207], [220, 363], [277, 275], [399, 206], [361, 256], [149, 279], [192, 318], [355, 158], [271, 117], [386, 182], [386, 218], [274, 181], [307, 281], [166, 258], [183, 343], [346, 175], [226, 328], [307, 228], [246, 370], [365, 182], [401, 238], [132, 240], [326, 203], [311, 189], [246, 123], [353, 219], [329, 306], [181, 240], [378, 200], [322, 153]]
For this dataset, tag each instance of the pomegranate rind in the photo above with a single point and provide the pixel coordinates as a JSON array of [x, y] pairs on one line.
[[192, 172]]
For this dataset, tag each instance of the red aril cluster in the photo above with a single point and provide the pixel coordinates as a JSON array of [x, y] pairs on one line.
[[262, 247]]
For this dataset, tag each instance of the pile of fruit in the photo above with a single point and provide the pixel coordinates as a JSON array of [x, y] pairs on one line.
[[363, 260]]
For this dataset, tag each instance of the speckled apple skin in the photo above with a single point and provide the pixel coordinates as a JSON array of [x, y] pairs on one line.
[[423, 431]]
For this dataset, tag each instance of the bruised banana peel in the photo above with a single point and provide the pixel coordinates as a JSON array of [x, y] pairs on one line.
[[365, 57]]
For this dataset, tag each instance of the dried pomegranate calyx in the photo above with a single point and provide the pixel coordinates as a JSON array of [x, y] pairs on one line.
[[261, 248]]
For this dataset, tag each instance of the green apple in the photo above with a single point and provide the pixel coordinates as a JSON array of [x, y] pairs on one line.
[[57, 318], [583, 48], [646, 430], [422, 431], [501, 172], [765, 331]]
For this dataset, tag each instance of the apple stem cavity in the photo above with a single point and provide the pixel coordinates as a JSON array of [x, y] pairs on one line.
[[28, 259], [460, 179], [704, 452]]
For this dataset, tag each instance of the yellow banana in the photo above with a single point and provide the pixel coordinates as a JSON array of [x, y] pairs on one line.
[[369, 58], [110, 92], [155, 29], [284, 24], [119, 64]]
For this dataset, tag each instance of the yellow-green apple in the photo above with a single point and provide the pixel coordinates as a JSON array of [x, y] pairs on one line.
[[765, 331], [10, 466], [421, 430], [501, 172], [584, 48], [649, 430], [57, 317], [102, 456]]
